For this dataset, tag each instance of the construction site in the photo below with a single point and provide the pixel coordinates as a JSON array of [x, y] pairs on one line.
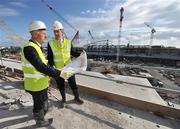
[[124, 98], [124, 86]]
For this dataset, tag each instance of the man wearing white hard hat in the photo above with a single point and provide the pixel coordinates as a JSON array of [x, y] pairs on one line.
[[59, 55], [37, 72]]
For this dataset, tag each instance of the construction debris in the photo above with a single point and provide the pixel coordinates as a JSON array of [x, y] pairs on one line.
[[95, 112], [111, 68]]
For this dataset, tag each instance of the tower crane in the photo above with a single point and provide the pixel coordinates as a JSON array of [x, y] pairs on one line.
[[75, 39], [119, 36], [91, 35], [102, 42], [151, 37]]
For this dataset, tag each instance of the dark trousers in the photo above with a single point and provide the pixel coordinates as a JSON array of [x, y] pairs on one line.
[[71, 81], [39, 100]]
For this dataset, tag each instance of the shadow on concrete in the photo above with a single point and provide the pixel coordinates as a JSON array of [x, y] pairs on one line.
[[11, 85], [8, 118], [102, 101], [167, 122], [95, 118], [35, 127]]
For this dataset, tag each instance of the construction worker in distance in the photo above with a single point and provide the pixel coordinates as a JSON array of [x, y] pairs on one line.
[[59, 54], [36, 72]]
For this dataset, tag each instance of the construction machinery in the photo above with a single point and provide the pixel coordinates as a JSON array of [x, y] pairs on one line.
[[75, 39], [151, 37], [119, 36], [91, 35], [97, 43]]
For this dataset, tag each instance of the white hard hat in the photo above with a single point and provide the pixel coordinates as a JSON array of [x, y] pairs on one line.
[[57, 25], [36, 25]]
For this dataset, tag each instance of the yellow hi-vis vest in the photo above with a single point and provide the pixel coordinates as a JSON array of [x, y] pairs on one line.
[[61, 54], [33, 79]]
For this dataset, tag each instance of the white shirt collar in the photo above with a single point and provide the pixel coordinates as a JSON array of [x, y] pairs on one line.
[[60, 40], [37, 42]]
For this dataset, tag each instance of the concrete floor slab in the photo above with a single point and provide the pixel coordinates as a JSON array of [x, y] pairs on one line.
[[95, 113], [145, 94]]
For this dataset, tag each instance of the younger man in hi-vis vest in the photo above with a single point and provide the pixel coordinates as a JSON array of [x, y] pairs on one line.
[[36, 72], [59, 55]]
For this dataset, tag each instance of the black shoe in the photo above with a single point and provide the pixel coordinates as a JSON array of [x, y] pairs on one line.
[[76, 97], [40, 121], [78, 101], [46, 107], [63, 104], [44, 123]]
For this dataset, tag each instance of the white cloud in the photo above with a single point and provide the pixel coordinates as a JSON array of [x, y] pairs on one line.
[[5, 11], [163, 15], [9, 11], [82, 12], [87, 11], [99, 11], [94, 11], [18, 4], [112, 3]]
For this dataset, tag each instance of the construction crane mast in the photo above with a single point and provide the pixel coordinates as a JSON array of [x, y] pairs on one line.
[[91, 35], [75, 39], [151, 37], [119, 36]]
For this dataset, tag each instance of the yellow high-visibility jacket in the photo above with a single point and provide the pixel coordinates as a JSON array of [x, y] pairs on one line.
[[33, 79], [61, 54]]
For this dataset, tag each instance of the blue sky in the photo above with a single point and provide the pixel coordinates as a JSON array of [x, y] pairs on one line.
[[99, 16]]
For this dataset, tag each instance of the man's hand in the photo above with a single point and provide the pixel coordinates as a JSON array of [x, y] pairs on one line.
[[82, 52], [66, 74]]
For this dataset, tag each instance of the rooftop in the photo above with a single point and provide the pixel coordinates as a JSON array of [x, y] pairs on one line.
[[96, 112]]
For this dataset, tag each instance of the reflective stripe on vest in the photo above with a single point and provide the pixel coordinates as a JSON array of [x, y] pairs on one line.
[[61, 55], [33, 79], [60, 60], [33, 75]]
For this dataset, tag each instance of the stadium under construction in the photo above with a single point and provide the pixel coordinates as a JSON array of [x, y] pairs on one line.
[[165, 56]]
